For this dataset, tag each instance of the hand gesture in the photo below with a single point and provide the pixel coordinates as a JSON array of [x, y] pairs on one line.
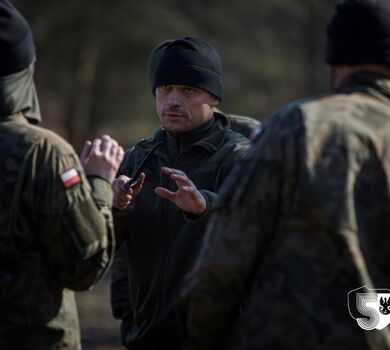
[[102, 157], [187, 197]]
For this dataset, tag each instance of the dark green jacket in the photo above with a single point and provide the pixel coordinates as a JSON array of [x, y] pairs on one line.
[[162, 240], [243, 124], [53, 237], [303, 222]]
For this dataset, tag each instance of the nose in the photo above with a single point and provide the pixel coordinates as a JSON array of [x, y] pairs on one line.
[[173, 99]]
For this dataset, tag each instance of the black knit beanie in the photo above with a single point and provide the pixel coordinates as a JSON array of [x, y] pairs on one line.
[[359, 33], [153, 60], [188, 61], [17, 49]]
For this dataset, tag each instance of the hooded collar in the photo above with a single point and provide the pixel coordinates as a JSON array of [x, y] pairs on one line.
[[18, 94]]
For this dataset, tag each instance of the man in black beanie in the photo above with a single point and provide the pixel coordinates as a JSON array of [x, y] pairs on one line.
[[183, 165], [302, 227], [120, 302], [56, 231]]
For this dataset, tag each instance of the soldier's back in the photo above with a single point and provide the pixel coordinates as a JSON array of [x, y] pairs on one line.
[[332, 222], [36, 311]]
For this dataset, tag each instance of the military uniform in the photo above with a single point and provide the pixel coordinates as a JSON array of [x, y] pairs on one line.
[[56, 235], [162, 240], [303, 221]]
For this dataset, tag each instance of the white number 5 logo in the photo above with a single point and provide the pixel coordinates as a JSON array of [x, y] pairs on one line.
[[370, 307]]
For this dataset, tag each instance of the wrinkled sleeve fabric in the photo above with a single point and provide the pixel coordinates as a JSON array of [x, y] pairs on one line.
[[239, 232], [74, 222]]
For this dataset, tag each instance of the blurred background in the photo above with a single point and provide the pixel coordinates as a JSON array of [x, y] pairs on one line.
[[91, 74]]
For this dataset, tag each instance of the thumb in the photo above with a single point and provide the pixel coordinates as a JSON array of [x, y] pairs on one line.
[[164, 193], [85, 151]]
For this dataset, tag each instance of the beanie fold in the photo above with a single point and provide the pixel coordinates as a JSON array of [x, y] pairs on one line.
[[188, 61], [18, 57], [190, 75]]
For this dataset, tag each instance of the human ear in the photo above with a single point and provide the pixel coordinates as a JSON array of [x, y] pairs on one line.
[[214, 101]]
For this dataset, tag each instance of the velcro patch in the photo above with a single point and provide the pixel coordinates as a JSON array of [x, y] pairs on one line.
[[70, 177]]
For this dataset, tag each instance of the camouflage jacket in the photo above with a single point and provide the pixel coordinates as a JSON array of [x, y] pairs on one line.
[[162, 240], [301, 222], [55, 234]]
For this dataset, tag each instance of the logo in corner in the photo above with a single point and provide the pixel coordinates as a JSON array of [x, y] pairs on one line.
[[370, 307]]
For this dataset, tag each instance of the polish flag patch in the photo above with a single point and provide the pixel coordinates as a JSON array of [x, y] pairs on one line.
[[70, 177]]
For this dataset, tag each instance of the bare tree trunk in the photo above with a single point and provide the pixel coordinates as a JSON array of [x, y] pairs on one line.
[[79, 104]]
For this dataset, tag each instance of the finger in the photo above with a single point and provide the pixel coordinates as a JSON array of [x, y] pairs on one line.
[[169, 171], [118, 186], [124, 203], [113, 150], [120, 205], [181, 180], [107, 144], [95, 147], [188, 189], [124, 197], [122, 200], [119, 156], [164, 193], [116, 155], [85, 151], [126, 189], [137, 189], [122, 179], [116, 152]]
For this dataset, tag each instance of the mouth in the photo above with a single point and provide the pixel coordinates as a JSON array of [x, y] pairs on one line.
[[173, 115]]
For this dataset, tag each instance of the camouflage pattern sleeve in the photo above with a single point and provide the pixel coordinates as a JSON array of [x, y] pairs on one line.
[[238, 233], [75, 220]]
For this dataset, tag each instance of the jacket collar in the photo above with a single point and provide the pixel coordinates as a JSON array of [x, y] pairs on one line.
[[16, 117], [18, 93], [369, 83], [211, 139]]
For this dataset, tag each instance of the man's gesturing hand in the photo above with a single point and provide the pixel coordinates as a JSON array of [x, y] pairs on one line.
[[187, 197]]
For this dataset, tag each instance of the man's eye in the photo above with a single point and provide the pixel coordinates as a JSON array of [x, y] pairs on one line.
[[190, 90]]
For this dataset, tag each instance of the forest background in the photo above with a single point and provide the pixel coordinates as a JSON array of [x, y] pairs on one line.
[[91, 75]]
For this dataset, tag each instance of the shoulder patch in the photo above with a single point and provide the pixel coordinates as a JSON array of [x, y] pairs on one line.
[[70, 177]]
